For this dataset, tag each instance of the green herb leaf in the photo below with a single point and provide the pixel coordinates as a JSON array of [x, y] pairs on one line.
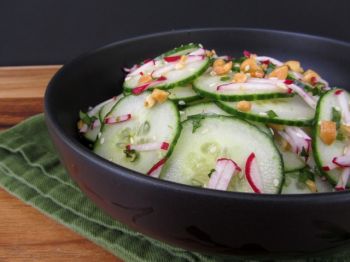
[[89, 120], [132, 155], [306, 174], [340, 136], [239, 60], [271, 114], [336, 116], [211, 172], [224, 78], [196, 122], [270, 68]]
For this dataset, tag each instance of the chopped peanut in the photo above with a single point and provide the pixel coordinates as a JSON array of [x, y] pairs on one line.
[[209, 53], [285, 145], [244, 106], [280, 72], [328, 132], [258, 74], [223, 69], [145, 79], [182, 62], [294, 66], [80, 124], [159, 95], [345, 129], [218, 62], [239, 78], [249, 65], [310, 75], [311, 185], [149, 102]]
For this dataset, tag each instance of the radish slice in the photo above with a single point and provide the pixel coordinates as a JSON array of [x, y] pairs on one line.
[[342, 161], [163, 70], [343, 180], [149, 146], [311, 101], [344, 105], [246, 53], [252, 174], [272, 60], [199, 52], [157, 168], [171, 59], [118, 119], [138, 90], [300, 140], [225, 169], [145, 67], [131, 69], [96, 123]]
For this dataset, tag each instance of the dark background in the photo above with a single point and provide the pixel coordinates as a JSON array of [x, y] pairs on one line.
[[54, 31]]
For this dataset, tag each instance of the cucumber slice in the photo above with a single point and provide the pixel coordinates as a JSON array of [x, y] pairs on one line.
[[286, 111], [202, 108], [324, 153], [292, 185], [205, 139], [174, 76], [108, 106], [206, 85], [147, 125], [93, 131], [291, 161], [183, 93], [210, 108]]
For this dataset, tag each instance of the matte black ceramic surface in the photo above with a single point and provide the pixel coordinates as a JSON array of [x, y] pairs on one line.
[[192, 218]]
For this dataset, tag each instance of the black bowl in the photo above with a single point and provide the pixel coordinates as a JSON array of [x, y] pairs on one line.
[[192, 218]]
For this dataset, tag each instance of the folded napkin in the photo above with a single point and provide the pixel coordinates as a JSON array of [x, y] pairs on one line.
[[30, 170]]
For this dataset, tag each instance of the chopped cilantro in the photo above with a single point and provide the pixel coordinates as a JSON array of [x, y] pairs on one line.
[[224, 78], [336, 117], [239, 60], [132, 155], [89, 120], [306, 174], [271, 114], [340, 136], [211, 172], [270, 68]]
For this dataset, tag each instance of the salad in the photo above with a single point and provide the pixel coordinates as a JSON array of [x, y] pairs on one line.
[[246, 124]]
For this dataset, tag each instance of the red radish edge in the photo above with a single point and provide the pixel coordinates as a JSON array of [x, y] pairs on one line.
[[338, 92], [138, 90], [164, 146], [170, 59], [248, 166], [266, 62], [246, 53], [334, 161], [118, 119], [228, 159], [288, 81], [156, 166]]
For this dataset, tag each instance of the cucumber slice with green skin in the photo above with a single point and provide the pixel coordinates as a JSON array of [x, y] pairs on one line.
[[209, 108], [291, 161], [206, 85], [108, 107], [324, 153], [204, 139], [292, 185], [292, 111], [173, 77], [183, 93], [161, 123], [93, 131]]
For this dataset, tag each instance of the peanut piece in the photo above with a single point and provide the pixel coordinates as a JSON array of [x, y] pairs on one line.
[[80, 124], [145, 79], [328, 132], [149, 102], [294, 66], [224, 69], [159, 95], [218, 62], [249, 65], [309, 75], [311, 185], [244, 106], [280, 72], [239, 78]]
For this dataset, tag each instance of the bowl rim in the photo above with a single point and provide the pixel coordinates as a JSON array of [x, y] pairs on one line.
[[78, 148]]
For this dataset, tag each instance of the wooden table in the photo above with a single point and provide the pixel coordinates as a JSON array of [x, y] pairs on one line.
[[26, 234]]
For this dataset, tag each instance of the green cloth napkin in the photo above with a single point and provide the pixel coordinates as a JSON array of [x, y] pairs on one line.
[[30, 170]]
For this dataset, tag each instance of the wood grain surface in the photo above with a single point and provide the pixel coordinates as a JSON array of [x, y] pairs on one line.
[[25, 233]]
